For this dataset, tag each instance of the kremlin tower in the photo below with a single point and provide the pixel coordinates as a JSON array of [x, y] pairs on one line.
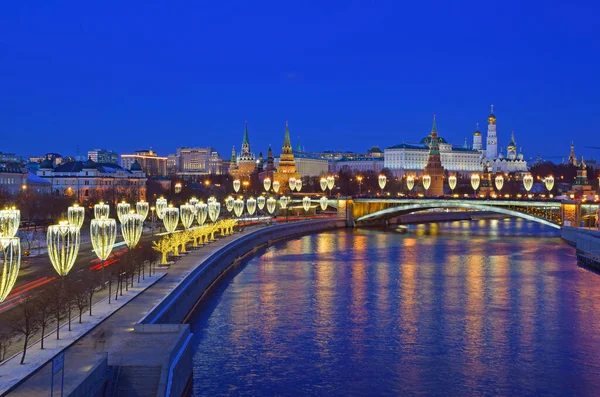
[[246, 163], [491, 148], [434, 164], [286, 168], [477, 138]]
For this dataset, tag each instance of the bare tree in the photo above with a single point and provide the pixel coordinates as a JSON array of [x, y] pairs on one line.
[[80, 294], [57, 302], [44, 313], [91, 284], [5, 342], [26, 326]]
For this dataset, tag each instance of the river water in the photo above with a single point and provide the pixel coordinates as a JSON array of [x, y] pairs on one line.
[[495, 307]]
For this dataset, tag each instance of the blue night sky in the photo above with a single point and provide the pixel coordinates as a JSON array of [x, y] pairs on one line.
[[128, 75]]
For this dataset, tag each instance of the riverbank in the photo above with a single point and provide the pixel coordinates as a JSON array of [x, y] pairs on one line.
[[587, 242], [441, 216], [120, 347]]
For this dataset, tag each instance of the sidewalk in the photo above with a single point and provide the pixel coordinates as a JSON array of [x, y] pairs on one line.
[[111, 333], [11, 371]]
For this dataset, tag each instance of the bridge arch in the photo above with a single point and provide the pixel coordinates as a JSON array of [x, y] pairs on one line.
[[408, 208]]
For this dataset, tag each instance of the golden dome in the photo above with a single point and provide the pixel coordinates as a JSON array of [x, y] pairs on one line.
[[477, 133]]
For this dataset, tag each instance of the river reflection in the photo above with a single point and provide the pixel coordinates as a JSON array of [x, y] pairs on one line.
[[495, 307]]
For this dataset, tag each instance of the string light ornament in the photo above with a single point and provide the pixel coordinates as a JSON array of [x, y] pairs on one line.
[[475, 180], [549, 182], [283, 202], [323, 183], [292, 183], [452, 182], [236, 185], [201, 213], [276, 186], [330, 182], [382, 179], [271, 204], [528, 182], [261, 201], [101, 210], [251, 205], [267, 184], [323, 203], [499, 182], [229, 203], [103, 233], [63, 246], [10, 256], [161, 207], [193, 201], [123, 208], [131, 228], [410, 182], [306, 203], [426, 182], [142, 207], [298, 184], [214, 209], [76, 215], [10, 220], [171, 218], [186, 213], [238, 207]]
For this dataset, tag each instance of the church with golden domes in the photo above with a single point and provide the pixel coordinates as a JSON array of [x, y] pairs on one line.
[[499, 162]]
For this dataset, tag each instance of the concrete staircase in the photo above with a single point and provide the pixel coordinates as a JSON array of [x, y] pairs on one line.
[[137, 381]]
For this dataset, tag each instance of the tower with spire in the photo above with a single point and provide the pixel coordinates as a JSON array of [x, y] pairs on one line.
[[491, 148], [246, 163], [511, 150], [572, 159], [434, 163], [477, 138], [286, 168]]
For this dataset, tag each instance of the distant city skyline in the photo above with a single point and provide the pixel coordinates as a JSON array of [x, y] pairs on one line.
[[130, 76]]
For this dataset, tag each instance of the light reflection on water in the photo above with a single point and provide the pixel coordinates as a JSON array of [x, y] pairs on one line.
[[461, 308]]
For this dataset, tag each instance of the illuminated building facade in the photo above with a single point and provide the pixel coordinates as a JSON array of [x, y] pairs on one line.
[[245, 162], [152, 164]]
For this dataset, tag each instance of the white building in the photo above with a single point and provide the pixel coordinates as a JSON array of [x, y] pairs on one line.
[[91, 181], [412, 158]]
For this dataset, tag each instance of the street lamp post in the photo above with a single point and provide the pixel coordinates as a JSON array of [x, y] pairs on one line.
[[359, 178], [475, 180], [103, 233]]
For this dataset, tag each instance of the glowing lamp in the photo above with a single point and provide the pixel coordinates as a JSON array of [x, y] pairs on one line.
[[499, 181], [292, 183], [382, 179], [123, 209], [214, 209], [426, 181], [229, 203], [142, 207], [528, 182], [298, 184], [306, 203], [267, 184], [549, 182], [276, 186], [271, 204], [475, 180], [193, 201], [323, 183], [236, 185], [238, 207], [131, 228], [283, 201], [452, 182], [9, 222], [63, 246], [410, 182], [103, 233], [261, 200], [171, 218], [75, 215], [251, 205], [202, 212], [330, 182], [186, 215], [323, 202], [10, 256], [161, 207], [101, 210]]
